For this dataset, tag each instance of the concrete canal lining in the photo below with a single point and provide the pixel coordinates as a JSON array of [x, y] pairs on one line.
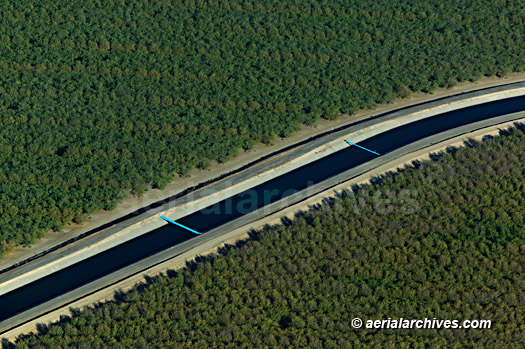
[[240, 182], [83, 297]]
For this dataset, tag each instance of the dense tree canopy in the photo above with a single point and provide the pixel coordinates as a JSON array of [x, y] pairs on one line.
[[457, 252], [101, 98]]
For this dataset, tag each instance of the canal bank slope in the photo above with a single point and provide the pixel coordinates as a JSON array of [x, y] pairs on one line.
[[398, 160], [131, 204], [244, 180]]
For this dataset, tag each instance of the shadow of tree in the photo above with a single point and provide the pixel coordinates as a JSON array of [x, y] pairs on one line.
[[121, 296]]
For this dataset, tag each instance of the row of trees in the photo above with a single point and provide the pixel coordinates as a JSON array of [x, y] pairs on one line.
[[459, 255], [340, 9], [136, 94], [84, 71]]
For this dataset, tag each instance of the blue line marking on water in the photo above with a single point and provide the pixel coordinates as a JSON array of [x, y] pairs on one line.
[[180, 225], [361, 147]]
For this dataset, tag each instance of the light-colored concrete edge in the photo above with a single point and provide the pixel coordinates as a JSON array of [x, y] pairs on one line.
[[11, 281], [242, 233], [132, 203]]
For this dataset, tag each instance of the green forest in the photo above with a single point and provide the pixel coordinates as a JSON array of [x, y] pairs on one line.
[[458, 254], [100, 99]]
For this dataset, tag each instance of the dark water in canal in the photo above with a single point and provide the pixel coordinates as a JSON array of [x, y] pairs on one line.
[[211, 217]]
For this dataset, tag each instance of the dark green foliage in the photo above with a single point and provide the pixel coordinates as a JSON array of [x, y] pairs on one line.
[[100, 98], [460, 255]]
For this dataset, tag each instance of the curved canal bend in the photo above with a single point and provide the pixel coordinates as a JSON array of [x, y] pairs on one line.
[[203, 221]]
